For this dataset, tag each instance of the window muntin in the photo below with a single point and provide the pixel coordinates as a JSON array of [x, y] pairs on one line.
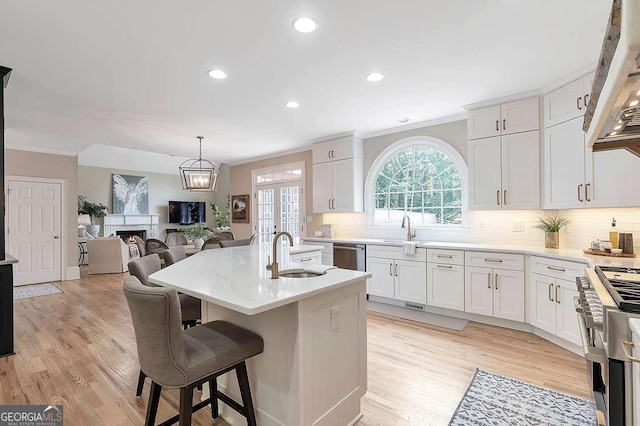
[[421, 181]]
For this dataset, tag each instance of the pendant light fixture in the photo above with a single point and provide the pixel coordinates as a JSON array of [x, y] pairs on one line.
[[198, 175]]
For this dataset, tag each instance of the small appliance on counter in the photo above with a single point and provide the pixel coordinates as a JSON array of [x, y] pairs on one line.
[[328, 230]]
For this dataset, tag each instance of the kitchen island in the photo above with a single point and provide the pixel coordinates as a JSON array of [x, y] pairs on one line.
[[313, 370]]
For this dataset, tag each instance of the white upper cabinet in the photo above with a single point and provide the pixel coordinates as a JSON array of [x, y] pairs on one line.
[[513, 117], [504, 172], [338, 175], [483, 122], [567, 102], [615, 176]]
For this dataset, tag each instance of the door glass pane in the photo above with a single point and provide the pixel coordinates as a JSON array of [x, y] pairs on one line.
[[290, 210], [266, 215]]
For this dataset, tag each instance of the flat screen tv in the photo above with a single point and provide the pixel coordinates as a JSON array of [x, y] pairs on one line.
[[187, 212]]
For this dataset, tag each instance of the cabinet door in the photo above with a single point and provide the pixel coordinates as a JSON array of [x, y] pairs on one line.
[[484, 122], [521, 171], [564, 103], [566, 318], [322, 188], [587, 85], [520, 116], [322, 152], [411, 281], [343, 186], [478, 290], [382, 277], [342, 148], [614, 179], [445, 286], [541, 302], [508, 295], [484, 174], [564, 166]]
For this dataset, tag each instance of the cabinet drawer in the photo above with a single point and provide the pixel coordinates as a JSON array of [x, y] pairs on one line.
[[514, 262], [307, 258], [449, 257], [556, 268], [392, 252], [326, 247]]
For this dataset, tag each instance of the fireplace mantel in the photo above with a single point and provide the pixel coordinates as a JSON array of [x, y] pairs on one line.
[[124, 222]]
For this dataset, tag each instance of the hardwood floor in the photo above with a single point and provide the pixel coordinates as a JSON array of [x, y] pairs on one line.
[[78, 349]]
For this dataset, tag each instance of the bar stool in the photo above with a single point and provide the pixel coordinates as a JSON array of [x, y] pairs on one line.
[[177, 358]]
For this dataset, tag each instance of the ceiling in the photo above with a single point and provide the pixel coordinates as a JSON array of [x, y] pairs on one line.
[[134, 74]]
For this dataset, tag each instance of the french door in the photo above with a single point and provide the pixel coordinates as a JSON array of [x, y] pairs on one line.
[[279, 209]]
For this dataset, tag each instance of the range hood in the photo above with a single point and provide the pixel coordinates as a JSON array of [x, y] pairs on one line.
[[612, 119]]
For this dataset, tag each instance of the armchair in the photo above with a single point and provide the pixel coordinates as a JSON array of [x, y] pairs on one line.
[[108, 255]]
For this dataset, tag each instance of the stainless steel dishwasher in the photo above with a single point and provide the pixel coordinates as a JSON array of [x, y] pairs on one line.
[[349, 256]]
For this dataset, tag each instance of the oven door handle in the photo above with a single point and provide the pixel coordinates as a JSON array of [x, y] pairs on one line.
[[627, 347], [591, 353]]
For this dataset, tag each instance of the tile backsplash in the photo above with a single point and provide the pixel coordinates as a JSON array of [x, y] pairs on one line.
[[512, 227]]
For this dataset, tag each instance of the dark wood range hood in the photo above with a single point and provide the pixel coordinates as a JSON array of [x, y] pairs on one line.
[[612, 118]]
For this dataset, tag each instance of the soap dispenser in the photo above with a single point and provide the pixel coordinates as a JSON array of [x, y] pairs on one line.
[[613, 234]]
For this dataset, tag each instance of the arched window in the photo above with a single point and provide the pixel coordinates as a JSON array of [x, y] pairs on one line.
[[422, 177]]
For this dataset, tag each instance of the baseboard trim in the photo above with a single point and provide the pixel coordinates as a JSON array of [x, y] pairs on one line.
[[416, 315], [72, 273]]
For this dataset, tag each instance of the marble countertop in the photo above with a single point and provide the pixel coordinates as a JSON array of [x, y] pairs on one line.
[[572, 255], [236, 278], [8, 260]]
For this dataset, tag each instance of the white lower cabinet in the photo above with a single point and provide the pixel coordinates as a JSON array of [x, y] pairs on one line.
[[397, 278], [445, 286], [551, 306], [494, 292]]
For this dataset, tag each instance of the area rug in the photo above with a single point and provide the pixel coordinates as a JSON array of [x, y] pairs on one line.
[[35, 290], [495, 400]]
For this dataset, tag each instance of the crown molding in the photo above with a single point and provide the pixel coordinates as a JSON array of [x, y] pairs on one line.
[[273, 155]]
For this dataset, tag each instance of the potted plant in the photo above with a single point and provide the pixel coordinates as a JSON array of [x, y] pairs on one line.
[[197, 233], [94, 210], [221, 219], [551, 225]]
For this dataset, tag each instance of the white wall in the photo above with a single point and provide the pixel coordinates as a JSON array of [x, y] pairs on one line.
[[95, 184]]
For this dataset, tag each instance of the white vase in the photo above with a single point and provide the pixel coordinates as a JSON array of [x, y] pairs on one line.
[[198, 242], [93, 230]]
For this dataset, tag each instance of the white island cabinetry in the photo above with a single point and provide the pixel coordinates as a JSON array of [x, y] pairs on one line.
[[313, 370]]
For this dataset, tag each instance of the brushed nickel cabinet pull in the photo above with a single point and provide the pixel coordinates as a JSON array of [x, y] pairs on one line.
[[626, 346], [496, 279], [497, 125], [580, 193], [328, 154], [396, 269], [444, 256], [557, 295], [498, 197], [504, 124], [306, 259], [493, 260], [444, 266], [504, 197], [578, 103], [555, 268], [550, 290], [586, 192], [489, 280], [390, 269], [329, 203], [586, 100]]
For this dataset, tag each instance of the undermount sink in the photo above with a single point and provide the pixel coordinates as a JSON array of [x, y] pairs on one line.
[[299, 273]]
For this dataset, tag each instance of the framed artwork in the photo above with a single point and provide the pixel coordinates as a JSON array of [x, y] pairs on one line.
[[240, 208], [130, 194]]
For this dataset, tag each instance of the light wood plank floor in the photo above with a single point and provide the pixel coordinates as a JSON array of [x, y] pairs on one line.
[[78, 349]]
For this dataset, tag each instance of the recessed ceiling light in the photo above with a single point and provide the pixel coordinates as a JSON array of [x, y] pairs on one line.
[[292, 104], [305, 24], [403, 120], [375, 76], [217, 74], [634, 103]]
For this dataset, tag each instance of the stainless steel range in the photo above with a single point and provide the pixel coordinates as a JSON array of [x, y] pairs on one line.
[[608, 298]]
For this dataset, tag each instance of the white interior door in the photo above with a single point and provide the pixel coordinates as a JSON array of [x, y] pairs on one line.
[[34, 225], [279, 209]]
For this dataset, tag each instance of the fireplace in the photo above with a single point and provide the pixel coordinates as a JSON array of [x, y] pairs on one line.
[[129, 233]]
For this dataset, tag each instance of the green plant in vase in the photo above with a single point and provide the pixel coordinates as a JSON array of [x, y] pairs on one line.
[[94, 210], [221, 219], [551, 225]]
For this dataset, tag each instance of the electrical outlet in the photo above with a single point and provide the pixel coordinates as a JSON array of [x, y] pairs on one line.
[[309, 219], [481, 226], [335, 318], [517, 227]]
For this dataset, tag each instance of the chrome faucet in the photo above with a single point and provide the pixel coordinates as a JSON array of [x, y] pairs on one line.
[[274, 266], [410, 234]]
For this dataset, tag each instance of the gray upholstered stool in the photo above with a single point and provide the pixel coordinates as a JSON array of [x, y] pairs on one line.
[[184, 359], [234, 243], [190, 306], [174, 255]]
